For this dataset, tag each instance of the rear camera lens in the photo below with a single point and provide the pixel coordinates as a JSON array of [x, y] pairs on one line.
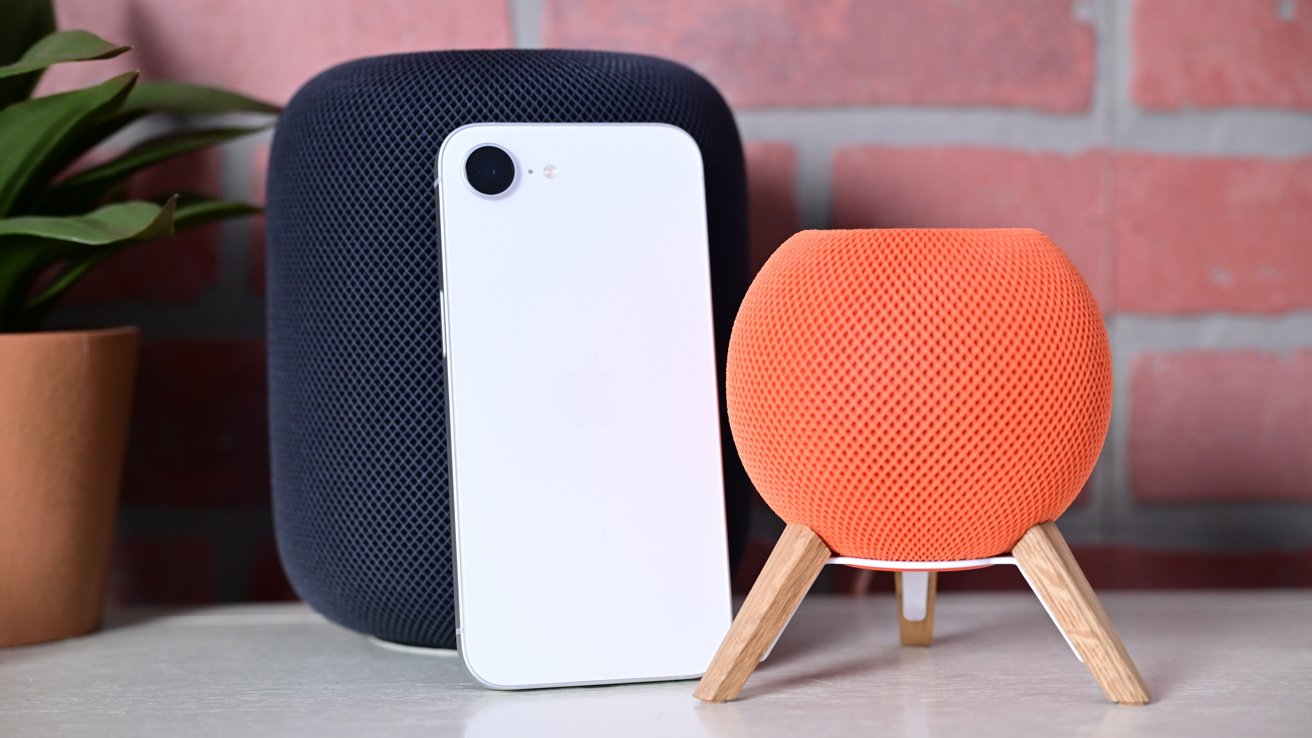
[[490, 170]]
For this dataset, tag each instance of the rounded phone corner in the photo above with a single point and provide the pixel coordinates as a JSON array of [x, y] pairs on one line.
[[684, 137], [479, 675], [679, 132]]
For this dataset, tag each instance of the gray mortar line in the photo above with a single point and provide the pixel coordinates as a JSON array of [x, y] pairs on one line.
[[526, 23], [1228, 133], [1092, 523], [236, 236], [1136, 333], [812, 184], [837, 127], [1111, 34]]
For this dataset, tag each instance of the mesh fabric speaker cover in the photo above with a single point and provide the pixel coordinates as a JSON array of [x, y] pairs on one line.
[[358, 429], [919, 395]]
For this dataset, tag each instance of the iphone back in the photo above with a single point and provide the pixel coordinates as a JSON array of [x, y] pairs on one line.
[[585, 452]]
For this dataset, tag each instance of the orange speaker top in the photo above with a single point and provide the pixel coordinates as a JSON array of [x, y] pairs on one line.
[[919, 395]]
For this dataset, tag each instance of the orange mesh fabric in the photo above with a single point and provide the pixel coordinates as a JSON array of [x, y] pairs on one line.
[[919, 395]]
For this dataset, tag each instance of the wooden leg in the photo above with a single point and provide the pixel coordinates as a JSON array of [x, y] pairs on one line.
[[793, 565], [1056, 578], [919, 631]]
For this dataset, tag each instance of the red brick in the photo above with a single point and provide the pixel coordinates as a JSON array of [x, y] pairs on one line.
[[163, 571], [876, 187], [168, 270], [1231, 52], [1200, 235], [199, 434], [268, 581], [268, 49], [1024, 53], [772, 196], [1221, 427]]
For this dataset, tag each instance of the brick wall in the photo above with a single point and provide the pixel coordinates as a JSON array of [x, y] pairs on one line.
[[1166, 144]]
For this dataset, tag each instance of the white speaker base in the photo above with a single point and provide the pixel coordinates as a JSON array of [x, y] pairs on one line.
[[915, 583], [412, 650], [925, 566]]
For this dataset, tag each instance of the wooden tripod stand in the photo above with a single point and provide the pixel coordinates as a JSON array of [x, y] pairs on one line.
[[1042, 555]]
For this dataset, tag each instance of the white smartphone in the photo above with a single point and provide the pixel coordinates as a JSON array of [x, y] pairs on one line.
[[588, 499]]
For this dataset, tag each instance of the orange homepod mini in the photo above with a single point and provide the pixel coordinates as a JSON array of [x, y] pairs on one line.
[[920, 401]]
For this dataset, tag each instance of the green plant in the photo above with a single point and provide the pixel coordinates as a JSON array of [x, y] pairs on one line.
[[56, 226]]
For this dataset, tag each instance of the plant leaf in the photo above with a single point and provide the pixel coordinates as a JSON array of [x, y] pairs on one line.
[[88, 188], [107, 225], [30, 246], [60, 47], [188, 99], [26, 22], [170, 98], [197, 210], [39, 133]]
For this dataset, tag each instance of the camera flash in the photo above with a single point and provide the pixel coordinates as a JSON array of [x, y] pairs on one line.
[[549, 171]]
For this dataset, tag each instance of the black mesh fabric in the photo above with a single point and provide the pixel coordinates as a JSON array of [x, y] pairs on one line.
[[357, 403]]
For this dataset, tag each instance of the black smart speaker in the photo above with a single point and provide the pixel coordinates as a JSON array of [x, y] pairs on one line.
[[356, 385]]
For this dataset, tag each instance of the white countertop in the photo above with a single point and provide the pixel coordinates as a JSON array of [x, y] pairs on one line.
[[1217, 663]]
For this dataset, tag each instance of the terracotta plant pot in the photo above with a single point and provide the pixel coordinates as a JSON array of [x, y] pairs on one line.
[[64, 406]]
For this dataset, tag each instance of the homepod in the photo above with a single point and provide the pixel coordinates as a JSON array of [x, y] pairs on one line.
[[920, 400], [356, 381]]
